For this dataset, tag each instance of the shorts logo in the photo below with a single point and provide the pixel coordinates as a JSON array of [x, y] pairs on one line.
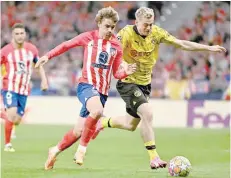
[[8, 98], [137, 93]]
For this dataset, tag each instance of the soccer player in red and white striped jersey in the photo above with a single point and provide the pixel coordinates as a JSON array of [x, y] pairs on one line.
[[18, 58], [102, 58]]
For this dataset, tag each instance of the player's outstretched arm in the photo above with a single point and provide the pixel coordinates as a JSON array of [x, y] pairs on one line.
[[192, 46], [79, 40]]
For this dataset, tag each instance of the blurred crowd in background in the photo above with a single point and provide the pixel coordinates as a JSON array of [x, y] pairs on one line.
[[177, 75]]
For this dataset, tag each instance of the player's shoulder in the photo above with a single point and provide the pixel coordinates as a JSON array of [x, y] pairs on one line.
[[128, 29], [156, 29], [89, 34], [7, 48], [115, 43], [30, 46]]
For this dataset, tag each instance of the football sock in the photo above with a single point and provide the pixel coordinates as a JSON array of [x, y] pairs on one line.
[[107, 122], [88, 131], [68, 139], [8, 130], [151, 148]]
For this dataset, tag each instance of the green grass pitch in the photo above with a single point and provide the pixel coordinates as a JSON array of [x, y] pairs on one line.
[[116, 153]]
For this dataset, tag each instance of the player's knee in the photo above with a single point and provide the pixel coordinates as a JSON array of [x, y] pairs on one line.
[[18, 120], [97, 113], [78, 131], [132, 128], [148, 116]]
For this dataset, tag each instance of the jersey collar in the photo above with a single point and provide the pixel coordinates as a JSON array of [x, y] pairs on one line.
[[136, 30]]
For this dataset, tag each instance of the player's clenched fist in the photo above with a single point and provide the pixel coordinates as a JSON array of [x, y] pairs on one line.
[[43, 60]]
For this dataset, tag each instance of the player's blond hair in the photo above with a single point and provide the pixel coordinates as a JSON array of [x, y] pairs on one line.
[[107, 12], [144, 12]]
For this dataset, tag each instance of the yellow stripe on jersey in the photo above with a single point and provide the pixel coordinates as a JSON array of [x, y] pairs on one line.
[[142, 51]]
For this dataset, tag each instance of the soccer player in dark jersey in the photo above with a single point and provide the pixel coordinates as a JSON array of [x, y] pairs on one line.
[[140, 45]]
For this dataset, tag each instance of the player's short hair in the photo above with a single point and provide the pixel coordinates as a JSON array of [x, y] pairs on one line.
[[144, 12], [107, 12], [18, 25]]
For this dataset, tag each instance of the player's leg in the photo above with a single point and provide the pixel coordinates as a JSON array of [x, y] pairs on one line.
[[13, 133], [147, 134], [127, 122], [93, 103], [10, 100], [3, 114], [95, 108], [71, 137]]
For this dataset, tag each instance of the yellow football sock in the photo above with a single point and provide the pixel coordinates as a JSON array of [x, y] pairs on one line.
[[151, 148], [106, 122]]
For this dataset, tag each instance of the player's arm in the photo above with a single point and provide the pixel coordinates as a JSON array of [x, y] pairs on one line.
[[65, 46], [188, 45], [122, 69], [192, 46], [79, 40], [42, 73]]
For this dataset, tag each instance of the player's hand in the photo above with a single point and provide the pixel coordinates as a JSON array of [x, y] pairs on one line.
[[43, 60], [44, 85], [129, 68], [217, 48]]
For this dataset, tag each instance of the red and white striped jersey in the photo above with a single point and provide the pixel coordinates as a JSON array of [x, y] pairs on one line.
[[101, 59], [18, 65]]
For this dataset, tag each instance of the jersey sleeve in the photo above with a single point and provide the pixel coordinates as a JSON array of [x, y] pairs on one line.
[[118, 73], [79, 40], [165, 37], [122, 36]]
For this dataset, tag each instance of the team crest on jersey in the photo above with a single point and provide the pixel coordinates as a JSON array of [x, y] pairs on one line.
[[119, 38], [112, 52]]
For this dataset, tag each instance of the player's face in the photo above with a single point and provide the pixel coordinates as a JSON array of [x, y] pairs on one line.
[[19, 35], [106, 28], [144, 26]]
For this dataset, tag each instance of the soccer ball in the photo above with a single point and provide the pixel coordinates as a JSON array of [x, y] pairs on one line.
[[179, 166]]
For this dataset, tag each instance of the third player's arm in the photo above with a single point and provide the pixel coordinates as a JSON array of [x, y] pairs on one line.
[[44, 82]]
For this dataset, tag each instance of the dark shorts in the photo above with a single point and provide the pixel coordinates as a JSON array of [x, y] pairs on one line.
[[12, 99], [133, 95], [86, 91]]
